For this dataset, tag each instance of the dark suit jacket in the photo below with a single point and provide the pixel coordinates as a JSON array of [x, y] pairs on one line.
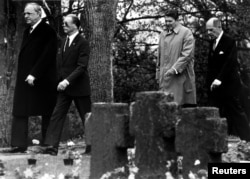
[[73, 66], [223, 65], [37, 57]]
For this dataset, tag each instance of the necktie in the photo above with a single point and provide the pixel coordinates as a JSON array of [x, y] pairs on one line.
[[214, 44], [66, 45], [170, 31], [30, 30]]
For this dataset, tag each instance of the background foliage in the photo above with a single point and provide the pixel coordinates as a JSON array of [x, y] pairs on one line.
[[139, 25]]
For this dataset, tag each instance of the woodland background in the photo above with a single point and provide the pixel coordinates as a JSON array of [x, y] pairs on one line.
[[123, 36]]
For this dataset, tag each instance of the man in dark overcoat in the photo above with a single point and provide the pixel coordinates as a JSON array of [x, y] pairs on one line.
[[224, 81], [35, 90]]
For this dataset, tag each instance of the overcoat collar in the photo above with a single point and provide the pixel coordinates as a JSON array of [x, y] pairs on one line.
[[175, 30], [27, 37], [221, 42]]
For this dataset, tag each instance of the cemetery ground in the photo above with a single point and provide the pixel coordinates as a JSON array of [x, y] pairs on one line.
[[16, 165]]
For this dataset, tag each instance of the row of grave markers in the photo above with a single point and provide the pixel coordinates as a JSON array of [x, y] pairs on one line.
[[159, 130]]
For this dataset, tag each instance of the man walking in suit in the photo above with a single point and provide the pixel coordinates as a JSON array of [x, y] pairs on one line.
[[74, 81], [224, 80], [35, 90]]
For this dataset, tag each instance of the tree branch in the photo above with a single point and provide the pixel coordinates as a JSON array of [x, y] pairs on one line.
[[140, 18], [127, 10]]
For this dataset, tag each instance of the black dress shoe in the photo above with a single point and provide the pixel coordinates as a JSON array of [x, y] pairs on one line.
[[16, 150], [51, 150]]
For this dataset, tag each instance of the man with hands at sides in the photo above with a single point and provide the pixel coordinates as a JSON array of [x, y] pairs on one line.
[[223, 80], [74, 82], [35, 89]]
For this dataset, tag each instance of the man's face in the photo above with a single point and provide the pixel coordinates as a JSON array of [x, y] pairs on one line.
[[68, 26], [212, 31], [30, 15], [170, 23]]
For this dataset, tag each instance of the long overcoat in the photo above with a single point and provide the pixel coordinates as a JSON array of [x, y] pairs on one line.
[[37, 57], [176, 51]]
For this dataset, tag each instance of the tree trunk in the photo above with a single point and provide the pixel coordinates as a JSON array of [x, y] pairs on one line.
[[101, 21], [2, 44], [11, 36], [2, 59]]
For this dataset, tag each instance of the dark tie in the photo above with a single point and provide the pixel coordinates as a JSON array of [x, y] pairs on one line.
[[214, 44], [30, 29], [66, 45], [170, 31]]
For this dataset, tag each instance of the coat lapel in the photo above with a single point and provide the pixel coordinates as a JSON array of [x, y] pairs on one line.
[[28, 37], [62, 50], [220, 44], [67, 53], [25, 38]]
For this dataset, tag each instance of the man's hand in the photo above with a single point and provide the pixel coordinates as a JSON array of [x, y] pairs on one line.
[[30, 80], [216, 83], [170, 72], [62, 85]]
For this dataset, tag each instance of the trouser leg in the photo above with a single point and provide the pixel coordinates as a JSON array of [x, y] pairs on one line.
[[237, 118], [57, 121], [19, 132], [83, 105], [45, 125]]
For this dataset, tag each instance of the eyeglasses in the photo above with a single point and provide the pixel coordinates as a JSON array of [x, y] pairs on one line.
[[65, 24], [28, 13]]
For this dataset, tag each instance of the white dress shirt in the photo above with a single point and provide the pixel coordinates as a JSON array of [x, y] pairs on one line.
[[218, 39], [216, 82], [35, 25], [72, 37]]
